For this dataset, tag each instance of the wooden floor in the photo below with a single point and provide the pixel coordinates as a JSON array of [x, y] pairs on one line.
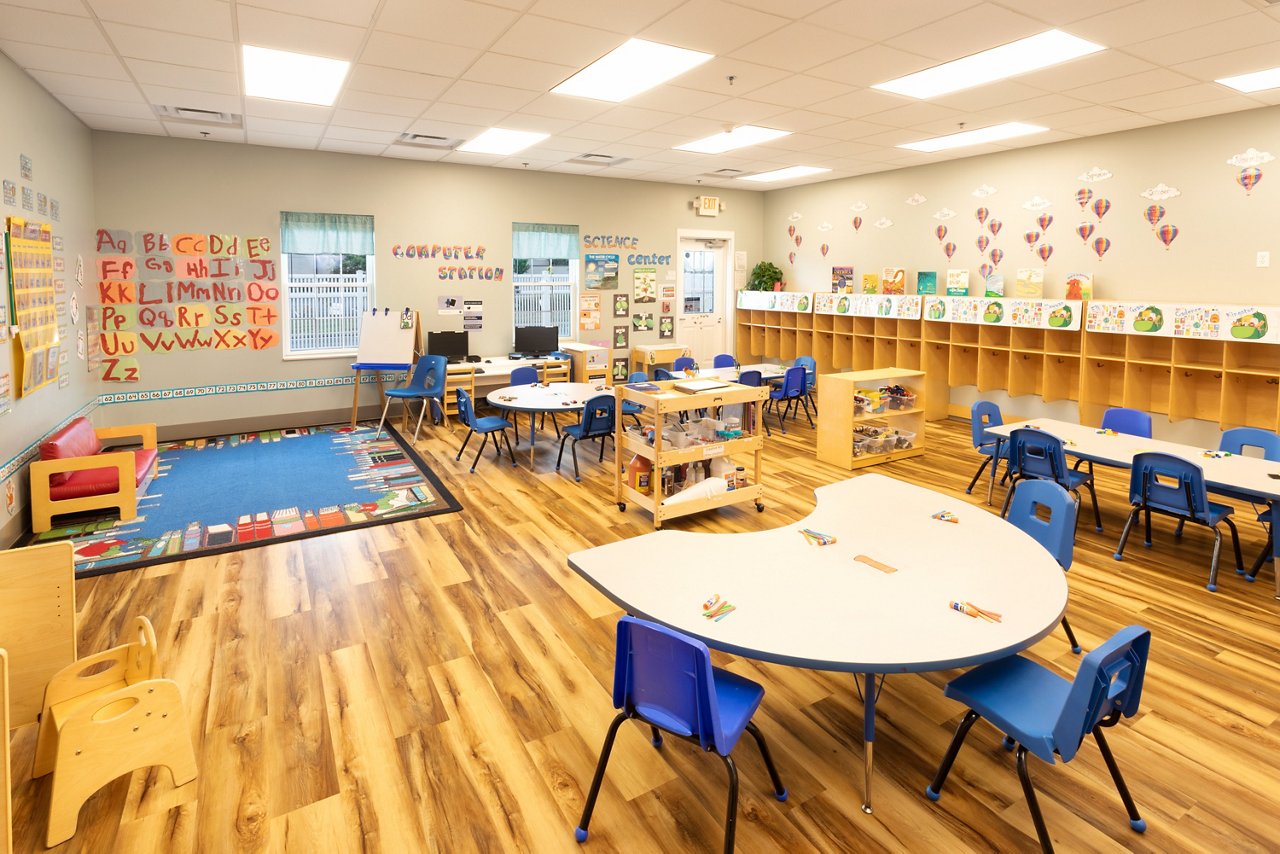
[[444, 684]]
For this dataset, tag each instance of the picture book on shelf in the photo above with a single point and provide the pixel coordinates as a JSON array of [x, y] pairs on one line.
[[893, 280], [870, 283], [1079, 286], [927, 282], [994, 285], [1030, 283], [957, 283], [842, 280]]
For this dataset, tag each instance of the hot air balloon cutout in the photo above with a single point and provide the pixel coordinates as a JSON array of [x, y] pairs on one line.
[[799, 239], [1044, 221], [824, 249], [1249, 163], [791, 231], [981, 215], [857, 223], [1100, 246], [1100, 208], [1248, 178], [985, 271], [949, 249], [941, 231], [982, 243], [994, 227], [997, 255], [791, 258], [1153, 214], [1032, 237], [1085, 230], [1044, 250], [1167, 233], [1083, 197]]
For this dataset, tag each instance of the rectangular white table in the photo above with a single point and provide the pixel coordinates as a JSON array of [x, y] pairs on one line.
[[1235, 473], [818, 607]]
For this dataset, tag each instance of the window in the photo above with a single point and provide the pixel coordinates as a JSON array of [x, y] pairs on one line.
[[544, 275], [328, 267], [699, 282]]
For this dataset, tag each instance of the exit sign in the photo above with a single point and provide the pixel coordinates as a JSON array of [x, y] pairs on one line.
[[708, 205]]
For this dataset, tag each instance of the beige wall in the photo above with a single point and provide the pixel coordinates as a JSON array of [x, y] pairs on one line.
[[58, 144], [150, 183]]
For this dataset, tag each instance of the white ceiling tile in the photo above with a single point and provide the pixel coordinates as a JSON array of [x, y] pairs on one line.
[[601, 132], [465, 115], [845, 149], [795, 9], [450, 130], [800, 90], [1077, 118], [394, 82], [1167, 99], [370, 102], [740, 111], [712, 26], [563, 107], [123, 125], [43, 58], [184, 77], [280, 140], [1060, 13], [794, 142], [574, 168], [878, 20], [1230, 64], [286, 110], [207, 18], [525, 164], [62, 7], [874, 64], [518, 72], [372, 121], [389, 50], [854, 129], [1210, 39], [1095, 68], [619, 16], [675, 99], [472, 159], [372, 149], [135, 109], [537, 124], [414, 152], [173, 97], [986, 97], [862, 102], [1131, 86], [1043, 105], [636, 118], [257, 124], [381, 137], [971, 31], [89, 87], [693, 127], [36, 26], [558, 42], [1154, 18], [211, 133], [486, 96], [467, 24], [1126, 121], [1216, 107], [177, 48], [355, 12], [714, 77], [658, 140], [802, 120], [280, 31], [800, 46]]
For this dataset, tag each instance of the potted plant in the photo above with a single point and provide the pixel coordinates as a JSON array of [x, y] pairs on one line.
[[765, 276]]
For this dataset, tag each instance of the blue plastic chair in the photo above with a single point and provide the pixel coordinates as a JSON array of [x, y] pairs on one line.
[[662, 375], [426, 384], [596, 423], [1172, 486], [684, 363], [724, 360], [1134, 422], [1037, 455], [630, 407], [1046, 715], [810, 366], [792, 391], [484, 426], [754, 379], [665, 679], [1056, 534], [984, 414], [524, 375], [1236, 440]]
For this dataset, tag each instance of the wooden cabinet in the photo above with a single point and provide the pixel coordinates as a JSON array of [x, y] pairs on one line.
[[590, 363], [843, 439], [744, 451]]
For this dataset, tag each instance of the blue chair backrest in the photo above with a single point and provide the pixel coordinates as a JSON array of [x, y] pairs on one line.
[[1057, 534], [684, 363], [751, 378], [524, 375], [597, 416], [1109, 679], [724, 360], [665, 677], [793, 382], [466, 411], [1035, 453], [429, 375], [638, 377], [662, 374], [810, 366], [983, 414], [1135, 422], [1237, 439], [1169, 483]]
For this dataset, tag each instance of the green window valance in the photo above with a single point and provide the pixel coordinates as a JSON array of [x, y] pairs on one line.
[[325, 233], [539, 240]]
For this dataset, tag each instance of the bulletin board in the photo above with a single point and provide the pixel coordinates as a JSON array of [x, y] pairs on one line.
[[388, 337], [32, 305]]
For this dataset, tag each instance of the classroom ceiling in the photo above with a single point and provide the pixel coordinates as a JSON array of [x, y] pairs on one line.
[[452, 68]]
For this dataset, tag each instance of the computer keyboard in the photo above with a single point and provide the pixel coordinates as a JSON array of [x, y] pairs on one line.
[[479, 370]]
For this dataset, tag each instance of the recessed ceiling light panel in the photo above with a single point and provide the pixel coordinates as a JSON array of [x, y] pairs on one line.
[[629, 69], [784, 174], [502, 141], [284, 76], [739, 137], [1255, 81], [1030, 54], [1008, 130]]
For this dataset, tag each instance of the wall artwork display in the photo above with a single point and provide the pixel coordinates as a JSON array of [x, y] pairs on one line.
[[10, 194], [35, 309], [621, 337], [619, 370], [668, 306], [25, 167], [642, 321], [621, 305], [666, 326], [601, 272], [646, 283], [28, 199]]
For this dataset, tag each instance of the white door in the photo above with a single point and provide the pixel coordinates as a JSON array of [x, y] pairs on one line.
[[704, 293]]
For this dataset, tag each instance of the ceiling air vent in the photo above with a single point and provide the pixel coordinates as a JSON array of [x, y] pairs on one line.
[[191, 115], [598, 160], [722, 173], [426, 140]]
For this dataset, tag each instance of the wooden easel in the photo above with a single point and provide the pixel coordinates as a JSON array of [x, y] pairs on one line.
[[385, 345]]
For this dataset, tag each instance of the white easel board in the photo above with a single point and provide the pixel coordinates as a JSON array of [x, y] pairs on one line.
[[383, 341]]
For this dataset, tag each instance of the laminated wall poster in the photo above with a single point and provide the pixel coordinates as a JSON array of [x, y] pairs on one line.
[[602, 272], [33, 306]]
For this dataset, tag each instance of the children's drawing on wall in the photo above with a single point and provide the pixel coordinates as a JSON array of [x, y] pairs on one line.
[[601, 272], [642, 321], [666, 326], [1249, 163], [621, 337], [10, 194], [984, 191], [915, 199], [621, 305], [645, 282], [620, 370]]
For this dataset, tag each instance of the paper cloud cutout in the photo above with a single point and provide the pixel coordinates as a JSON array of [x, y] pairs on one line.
[[984, 190], [826, 226], [944, 214], [858, 207], [884, 222], [795, 216], [1097, 173], [1161, 192], [1252, 157], [916, 199], [1037, 204]]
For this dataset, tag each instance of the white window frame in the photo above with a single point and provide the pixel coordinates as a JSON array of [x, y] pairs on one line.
[[550, 282], [337, 281]]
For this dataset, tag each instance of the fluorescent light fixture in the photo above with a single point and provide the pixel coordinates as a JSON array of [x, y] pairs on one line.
[[785, 174], [1008, 130], [739, 137], [1255, 81], [502, 141], [1039, 51], [630, 68], [284, 76]]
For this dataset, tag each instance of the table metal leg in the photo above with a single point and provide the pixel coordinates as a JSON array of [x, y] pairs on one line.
[[1275, 545], [868, 736], [995, 464]]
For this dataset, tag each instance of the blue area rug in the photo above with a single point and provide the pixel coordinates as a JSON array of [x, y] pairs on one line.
[[234, 492]]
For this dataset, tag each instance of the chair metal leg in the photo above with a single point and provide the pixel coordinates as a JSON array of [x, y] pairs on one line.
[[1024, 775], [1071, 636], [1124, 535], [573, 451], [383, 419], [484, 440], [1093, 496], [1262, 558], [1213, 561], [731, 813], [560, 456], [1008, 497], [470, 433], [1136, 821], [510, 453], [986, 461], [779, 790], [805, 403], [425, 403], [1177, 532], [601, 441], [581, 832], [656, 736], [934, 790], [1147, 520], [1235, 541]]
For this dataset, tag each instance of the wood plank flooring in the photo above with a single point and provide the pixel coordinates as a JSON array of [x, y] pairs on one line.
[[444, 685]]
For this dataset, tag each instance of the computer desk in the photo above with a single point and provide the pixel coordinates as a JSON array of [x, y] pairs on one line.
[[497, 370]]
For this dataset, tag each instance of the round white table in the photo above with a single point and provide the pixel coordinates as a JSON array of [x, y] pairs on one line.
[[819, 607], [536, 397]]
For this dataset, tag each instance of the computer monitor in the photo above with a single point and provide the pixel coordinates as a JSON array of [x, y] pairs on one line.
[[452, 345], [537, 340]]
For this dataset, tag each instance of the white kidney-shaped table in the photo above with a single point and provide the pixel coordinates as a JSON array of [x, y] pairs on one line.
[[780, 599], [545, 397]]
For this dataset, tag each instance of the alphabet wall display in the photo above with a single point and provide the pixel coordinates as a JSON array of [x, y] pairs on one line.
[[161, 293]]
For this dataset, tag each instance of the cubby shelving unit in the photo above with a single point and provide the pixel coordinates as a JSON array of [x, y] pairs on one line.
[[836, 427]]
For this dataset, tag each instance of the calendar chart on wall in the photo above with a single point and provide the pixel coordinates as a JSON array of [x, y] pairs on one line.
[[32, 305]]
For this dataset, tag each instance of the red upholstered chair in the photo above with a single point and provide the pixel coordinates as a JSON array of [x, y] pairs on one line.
[[74, 473]]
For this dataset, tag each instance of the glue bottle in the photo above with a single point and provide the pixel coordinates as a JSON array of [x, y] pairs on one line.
[[639, 474]]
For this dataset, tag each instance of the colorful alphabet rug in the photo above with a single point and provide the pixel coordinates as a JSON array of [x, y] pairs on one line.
[[236, 492]]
